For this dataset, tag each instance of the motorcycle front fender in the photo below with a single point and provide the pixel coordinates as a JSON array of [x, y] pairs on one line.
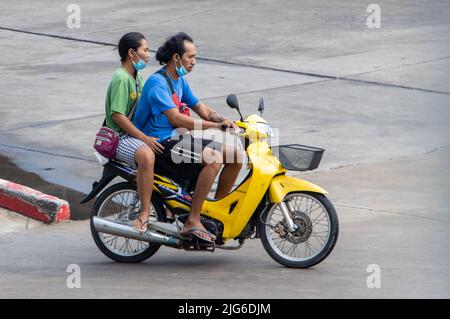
[[281, 185]]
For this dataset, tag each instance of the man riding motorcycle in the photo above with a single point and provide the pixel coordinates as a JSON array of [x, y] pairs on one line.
[[164, 109]]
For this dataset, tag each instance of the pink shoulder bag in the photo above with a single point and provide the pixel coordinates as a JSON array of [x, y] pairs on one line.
[[107, 140]]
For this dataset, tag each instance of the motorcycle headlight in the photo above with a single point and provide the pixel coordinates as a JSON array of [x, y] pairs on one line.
[[265, 129]]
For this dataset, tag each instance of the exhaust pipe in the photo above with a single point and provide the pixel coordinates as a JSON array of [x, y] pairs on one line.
[[103, 225]]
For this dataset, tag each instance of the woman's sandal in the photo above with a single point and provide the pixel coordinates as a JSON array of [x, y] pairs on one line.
[[141, 229]]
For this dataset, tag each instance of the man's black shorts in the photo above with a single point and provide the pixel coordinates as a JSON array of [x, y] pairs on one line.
[[182, 156]]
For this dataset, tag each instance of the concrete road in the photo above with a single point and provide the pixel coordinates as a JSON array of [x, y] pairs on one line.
[[376, 99]]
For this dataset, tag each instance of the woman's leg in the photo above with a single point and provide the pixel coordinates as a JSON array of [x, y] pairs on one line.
[[145, 158]]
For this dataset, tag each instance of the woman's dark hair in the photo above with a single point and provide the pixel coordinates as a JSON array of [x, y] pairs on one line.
[[129, 41], [173, 44]]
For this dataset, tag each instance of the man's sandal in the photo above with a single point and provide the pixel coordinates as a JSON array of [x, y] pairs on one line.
[[200, 234]]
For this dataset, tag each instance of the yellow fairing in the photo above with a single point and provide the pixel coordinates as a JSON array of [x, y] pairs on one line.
[[282, 185]]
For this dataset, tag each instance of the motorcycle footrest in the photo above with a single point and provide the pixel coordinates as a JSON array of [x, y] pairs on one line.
[[198, 245]]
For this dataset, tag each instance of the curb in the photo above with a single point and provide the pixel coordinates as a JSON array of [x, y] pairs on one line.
[[32, 203]]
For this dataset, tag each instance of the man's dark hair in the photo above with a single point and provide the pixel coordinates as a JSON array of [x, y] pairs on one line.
[[173, 44], [131, 40]]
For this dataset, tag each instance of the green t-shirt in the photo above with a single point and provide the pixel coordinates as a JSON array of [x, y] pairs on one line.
[[121, 95]]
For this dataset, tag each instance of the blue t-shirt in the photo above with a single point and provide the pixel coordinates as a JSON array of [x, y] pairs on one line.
[[157, 98]]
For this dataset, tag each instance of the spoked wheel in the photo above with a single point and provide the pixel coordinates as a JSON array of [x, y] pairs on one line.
[[120, 203], [314, 238]]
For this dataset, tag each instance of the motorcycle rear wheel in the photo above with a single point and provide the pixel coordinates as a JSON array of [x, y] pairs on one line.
[[111, 204]]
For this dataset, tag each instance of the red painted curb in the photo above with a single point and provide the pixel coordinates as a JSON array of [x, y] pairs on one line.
[[32, 203]]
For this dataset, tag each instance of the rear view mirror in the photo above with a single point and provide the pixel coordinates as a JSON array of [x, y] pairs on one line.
[[261, 105], [232, 101]]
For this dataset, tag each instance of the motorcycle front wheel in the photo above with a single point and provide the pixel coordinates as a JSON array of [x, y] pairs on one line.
[[312, 242]]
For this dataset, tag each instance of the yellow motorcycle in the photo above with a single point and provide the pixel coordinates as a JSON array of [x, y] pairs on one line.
[[297, 224]]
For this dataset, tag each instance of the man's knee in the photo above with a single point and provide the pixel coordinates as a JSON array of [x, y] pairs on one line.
[[211, 156]]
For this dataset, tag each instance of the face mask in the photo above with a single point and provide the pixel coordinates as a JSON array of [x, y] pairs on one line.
[[139, 65], [181, 71]]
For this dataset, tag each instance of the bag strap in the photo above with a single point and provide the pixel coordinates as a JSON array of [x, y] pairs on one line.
[[166, 76], [172, 90], [169, 82], [138, 93]]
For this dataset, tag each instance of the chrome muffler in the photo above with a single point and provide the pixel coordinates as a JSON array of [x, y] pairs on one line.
[[107, 226]]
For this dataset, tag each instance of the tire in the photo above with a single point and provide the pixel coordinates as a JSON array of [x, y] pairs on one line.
[[145, 253], [276, 253]]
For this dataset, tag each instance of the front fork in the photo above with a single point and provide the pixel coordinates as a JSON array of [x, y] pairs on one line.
[[286, 210], [281, 186]]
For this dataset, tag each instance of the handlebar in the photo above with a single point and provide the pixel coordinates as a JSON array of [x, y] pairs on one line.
[[225, 128]]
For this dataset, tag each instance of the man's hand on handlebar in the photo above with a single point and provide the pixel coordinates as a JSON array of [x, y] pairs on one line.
[[227, 124]]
